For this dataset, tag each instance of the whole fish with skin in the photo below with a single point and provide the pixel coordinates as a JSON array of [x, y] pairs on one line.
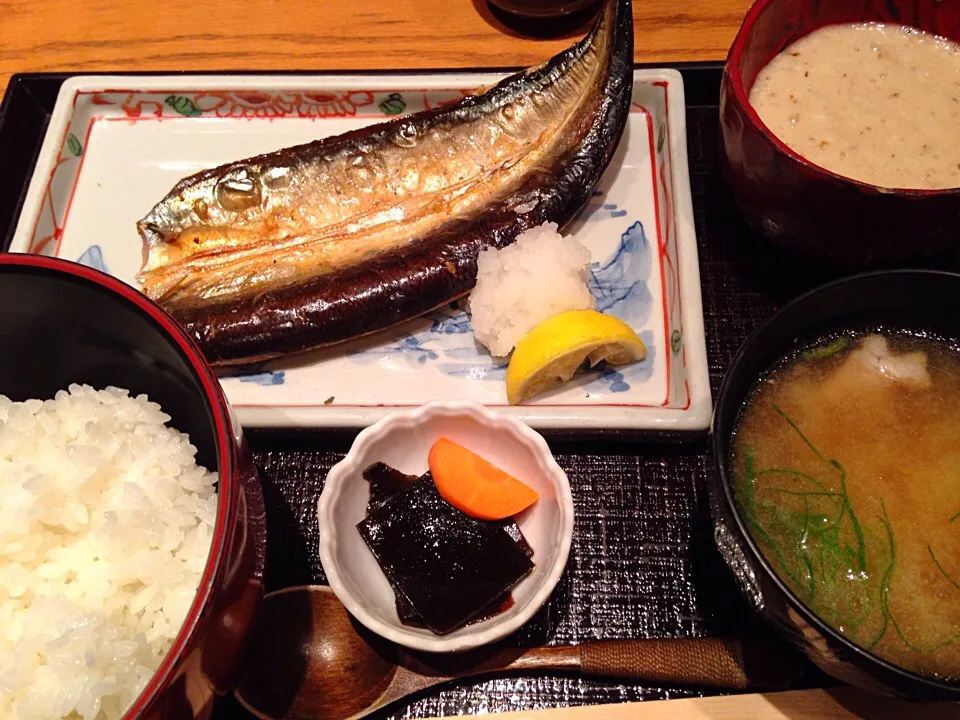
[[320, 243]]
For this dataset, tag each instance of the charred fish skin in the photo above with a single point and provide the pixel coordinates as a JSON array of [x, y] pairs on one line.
[[254, 271]]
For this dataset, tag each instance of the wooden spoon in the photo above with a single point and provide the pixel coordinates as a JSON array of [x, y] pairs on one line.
[[310, 660]]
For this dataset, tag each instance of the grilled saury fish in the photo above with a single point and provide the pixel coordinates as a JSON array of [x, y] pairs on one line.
[[319, 243]]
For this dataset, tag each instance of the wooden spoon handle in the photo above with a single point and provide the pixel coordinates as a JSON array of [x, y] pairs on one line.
[[702, 662], [725, 663]]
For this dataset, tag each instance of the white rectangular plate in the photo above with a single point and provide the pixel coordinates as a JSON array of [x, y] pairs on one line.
[[116, 145]]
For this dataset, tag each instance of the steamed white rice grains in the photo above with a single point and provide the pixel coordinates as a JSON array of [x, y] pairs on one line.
[[105, 525], [539, 275]]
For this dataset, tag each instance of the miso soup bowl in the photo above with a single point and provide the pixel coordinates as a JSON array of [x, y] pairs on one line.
[[801, 206], [909, 299], [63, 323]]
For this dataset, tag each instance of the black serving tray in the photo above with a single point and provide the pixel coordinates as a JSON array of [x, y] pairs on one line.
[[643, 563]]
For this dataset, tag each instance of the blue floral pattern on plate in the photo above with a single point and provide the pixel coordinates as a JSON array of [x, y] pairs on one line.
[[412, 347], [451, 320], [93, 257], [269, 377]]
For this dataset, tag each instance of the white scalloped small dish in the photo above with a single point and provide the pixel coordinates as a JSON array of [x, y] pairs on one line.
[[402, 440]]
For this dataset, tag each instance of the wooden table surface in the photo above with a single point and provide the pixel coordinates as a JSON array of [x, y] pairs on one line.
[[112, 35]]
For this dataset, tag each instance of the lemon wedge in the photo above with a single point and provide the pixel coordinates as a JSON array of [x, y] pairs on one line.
[[554, 349]]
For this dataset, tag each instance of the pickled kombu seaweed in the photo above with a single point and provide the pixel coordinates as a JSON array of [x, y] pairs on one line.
[[448, 566], [385, 482], [513, 530], [408, 616]]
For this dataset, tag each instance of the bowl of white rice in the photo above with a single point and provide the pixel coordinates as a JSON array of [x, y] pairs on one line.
[[132, 537]]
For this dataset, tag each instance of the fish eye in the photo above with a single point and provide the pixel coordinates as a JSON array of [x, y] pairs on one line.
[[406, 135], [238, 190]]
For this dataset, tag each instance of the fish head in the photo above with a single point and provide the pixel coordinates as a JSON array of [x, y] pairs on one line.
[[222, 199], [204, 217]]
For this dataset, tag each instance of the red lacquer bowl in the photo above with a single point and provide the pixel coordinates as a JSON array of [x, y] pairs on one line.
[[63, 323], [799, 205]]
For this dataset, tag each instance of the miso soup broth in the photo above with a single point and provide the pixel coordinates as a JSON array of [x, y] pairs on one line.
[[846, 466]]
